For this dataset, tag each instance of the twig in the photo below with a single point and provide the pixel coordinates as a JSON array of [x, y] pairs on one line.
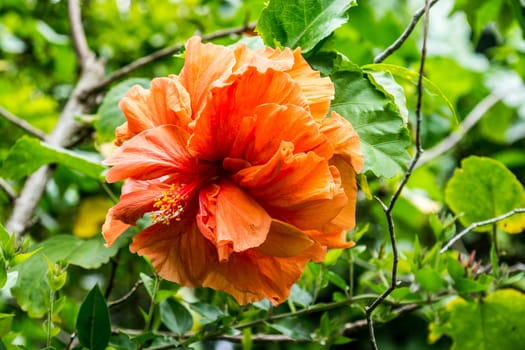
[[126, 296], [63, 135], [475, 225], [80, 45], [167, 51], [470, 120], [348, 329], [404, 36], [388, 209], [22, 124]]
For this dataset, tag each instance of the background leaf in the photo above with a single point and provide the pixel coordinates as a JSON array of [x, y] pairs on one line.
[[175, 316], [93, 324], [482, 189], [28, 154], [495, 322], [302, 23]]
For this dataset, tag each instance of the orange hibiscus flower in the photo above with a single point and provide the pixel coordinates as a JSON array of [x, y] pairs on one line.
[[245, 177]]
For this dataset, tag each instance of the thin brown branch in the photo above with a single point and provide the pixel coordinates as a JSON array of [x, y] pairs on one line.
[[455, 137], [84, 54], [125, 297], [22, 124], [388, 210], [477, 224], [404, 36], [167, 51]]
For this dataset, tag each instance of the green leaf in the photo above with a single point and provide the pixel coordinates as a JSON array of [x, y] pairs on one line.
[[482, 189], [149, 284], [31, 290], [300, 296], [109, 114], [403, 75], [28, 154], [175, 316], [429, 279], [301, 23], [495, 322], [384, 82], [6, 321], [518, 7], [89, 254], [93, 323], [209, 312], [384, 137]]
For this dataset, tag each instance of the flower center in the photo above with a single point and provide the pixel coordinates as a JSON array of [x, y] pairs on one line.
[[170, 205]]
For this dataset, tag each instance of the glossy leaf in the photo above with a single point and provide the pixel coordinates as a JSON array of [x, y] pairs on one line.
[[402, 74], [302, 23], [93, 323], [482, 189], [29, 154], [384, 136]]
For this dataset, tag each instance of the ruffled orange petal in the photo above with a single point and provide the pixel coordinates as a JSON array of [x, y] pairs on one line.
[[152, 153], [298, 188], [216, 128], [206, 66], [113, 228], [260, 136], [251, 276], [166, 102], [231, 219], [346, 218], [179, 252], [334, 238], [285, 240], [276, 59], [318, 91], [344, 140]]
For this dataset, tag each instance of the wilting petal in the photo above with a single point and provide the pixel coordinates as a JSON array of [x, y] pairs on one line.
[[318, 91], [260, 136], [152, 153], [344, 140], [179, 252], [251, 276], [206, 66], [216, 128], [166, 102], [231, 219]]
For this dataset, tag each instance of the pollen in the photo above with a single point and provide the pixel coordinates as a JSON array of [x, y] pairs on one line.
[[170, 206]]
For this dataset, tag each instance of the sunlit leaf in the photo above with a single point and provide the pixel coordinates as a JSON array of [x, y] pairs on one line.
[[404, 75], [302, 23], [494, 322], [29, 154], [93, 323], [482, 189]]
